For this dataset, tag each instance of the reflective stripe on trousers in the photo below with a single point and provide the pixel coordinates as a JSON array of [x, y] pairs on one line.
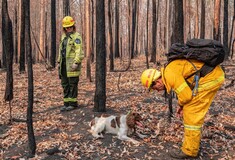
[[193, 114]]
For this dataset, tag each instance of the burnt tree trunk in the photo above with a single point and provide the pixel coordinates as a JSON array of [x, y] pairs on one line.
[[100, 80], [116, 41], [225, 29], [111, 66], [133, 28], [22, 38], [178, 24], [53, 33], [154, 32], [66, 8], [15, 34], [7, 40], [216, 29], [31, 137], [203, 16]]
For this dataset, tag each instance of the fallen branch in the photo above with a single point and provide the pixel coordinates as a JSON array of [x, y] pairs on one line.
[[229, 127], [19, 120]]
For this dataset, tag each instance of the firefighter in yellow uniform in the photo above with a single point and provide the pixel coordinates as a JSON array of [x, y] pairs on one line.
[[70, 59], [194, 106]]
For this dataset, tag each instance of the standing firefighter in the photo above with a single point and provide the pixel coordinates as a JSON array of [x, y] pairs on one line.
[[69, 59], [193, 104]]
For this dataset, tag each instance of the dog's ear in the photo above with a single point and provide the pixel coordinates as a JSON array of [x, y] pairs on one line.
[[137, 117], [92, 123], [130, 120]]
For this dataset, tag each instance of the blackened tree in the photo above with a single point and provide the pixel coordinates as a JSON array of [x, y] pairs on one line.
[[100, 80], [31, 137], [8, 51]]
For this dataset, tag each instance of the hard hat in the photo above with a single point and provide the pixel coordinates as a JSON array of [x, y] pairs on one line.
[[148, 76], [68, 21]]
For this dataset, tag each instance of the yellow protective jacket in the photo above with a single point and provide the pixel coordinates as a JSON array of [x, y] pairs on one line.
[[174, 74], [74, 54]]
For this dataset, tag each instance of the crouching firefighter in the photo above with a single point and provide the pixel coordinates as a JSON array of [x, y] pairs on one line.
[[193, 102], [69, 59]]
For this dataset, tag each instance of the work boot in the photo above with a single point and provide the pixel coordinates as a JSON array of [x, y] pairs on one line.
[[63, 108], [69, 108], [179, 154]]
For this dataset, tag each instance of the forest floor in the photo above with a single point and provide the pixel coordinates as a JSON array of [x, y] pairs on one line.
[[66, 135]]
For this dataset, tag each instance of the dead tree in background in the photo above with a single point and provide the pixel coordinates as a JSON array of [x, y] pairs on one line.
[[42, 34], [146, 45], [15, 33], [178, 23], [93, 31], [187, 18], [28, 49], [203, 16], [168, 23], [216, 29], [225, 29], [111, 64], [7, 40], [100, 74], [232, 36], [196, 31], [116, 30], [88, 39], [154, 32], [133, 25], [21, 42], [53, 33], [66, 8]]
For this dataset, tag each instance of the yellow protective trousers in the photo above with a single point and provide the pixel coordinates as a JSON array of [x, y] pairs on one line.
[[193, 114], [194, 107]]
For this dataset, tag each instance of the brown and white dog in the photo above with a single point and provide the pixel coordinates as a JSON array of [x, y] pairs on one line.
[[122, 126]]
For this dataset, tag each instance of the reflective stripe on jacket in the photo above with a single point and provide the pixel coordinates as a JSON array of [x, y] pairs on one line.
[[74, 54], [174, 74]]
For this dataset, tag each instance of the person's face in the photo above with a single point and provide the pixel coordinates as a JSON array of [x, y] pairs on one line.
[[158, 85], [69, 29]]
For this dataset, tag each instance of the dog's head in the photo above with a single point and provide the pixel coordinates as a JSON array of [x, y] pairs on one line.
[[133, 119]]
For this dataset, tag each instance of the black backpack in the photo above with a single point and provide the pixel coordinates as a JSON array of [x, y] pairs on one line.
[[209, 51]]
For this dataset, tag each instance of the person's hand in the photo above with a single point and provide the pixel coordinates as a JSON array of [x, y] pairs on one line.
[[74, 67], [179, 112], [58, 65]]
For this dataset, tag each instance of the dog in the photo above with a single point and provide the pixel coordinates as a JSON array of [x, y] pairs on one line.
[[122, 126]]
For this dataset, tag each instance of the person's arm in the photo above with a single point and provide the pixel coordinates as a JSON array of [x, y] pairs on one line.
[[79, 54], [179, 85]]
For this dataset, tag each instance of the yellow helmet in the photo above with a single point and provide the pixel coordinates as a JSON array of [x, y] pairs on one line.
[[68, 22], [148, 76]]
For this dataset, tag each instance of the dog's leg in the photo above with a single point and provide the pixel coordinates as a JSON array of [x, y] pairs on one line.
[[125, 138], [122, 135]]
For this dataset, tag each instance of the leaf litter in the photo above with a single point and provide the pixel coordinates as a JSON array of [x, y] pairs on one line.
[[69, 132]]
